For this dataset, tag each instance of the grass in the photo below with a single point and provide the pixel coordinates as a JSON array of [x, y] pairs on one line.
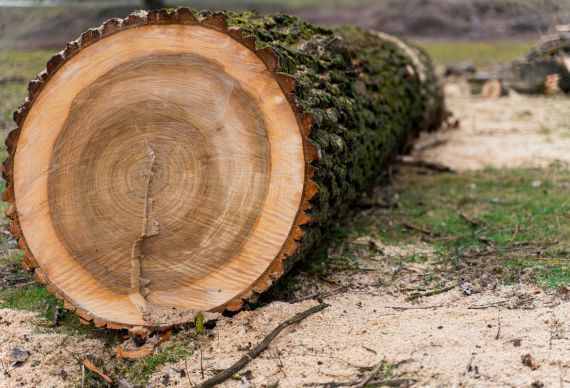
[[17, 68], [513, 223], [503, 226], [482, 53]]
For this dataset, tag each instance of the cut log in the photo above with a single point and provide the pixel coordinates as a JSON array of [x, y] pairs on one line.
[[545, 68], [493, 88], [174, 161]]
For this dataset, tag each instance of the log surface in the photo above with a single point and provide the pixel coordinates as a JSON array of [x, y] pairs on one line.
[[175, 161]]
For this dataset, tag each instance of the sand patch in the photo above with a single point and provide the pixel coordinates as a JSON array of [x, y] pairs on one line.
[[509, 132]]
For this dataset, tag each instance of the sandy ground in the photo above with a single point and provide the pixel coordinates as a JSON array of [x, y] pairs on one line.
[[440, 341], [52, 360], [514, 131], [449, 339]]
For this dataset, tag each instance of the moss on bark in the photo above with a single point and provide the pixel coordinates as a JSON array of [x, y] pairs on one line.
[[368, 93]]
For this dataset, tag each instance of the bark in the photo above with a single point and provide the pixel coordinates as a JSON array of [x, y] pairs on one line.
[[368, 94]]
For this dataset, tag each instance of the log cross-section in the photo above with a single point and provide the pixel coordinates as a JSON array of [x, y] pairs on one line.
[[175, 161]]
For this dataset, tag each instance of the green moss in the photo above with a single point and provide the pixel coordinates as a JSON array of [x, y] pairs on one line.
[[363, 99]]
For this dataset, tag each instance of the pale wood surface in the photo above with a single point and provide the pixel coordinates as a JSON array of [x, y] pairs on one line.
[[160, 167]]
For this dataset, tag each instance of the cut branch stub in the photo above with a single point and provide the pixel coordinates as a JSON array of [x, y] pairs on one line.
[[163, 167]]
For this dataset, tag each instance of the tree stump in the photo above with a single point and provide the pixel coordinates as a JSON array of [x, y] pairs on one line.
[[175, 161]]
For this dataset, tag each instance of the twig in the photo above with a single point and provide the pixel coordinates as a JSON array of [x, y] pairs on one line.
[[514, 235], [415, 307], [421, 229], [82, 376], [377, 383], [411, 161], [468, 219], [552, 329], [498, 328], [190, 383], [371, 375], [24, 284], [259, 348], [317, 294], [486, 306], [279, 361], [201, 365], [418, 295]]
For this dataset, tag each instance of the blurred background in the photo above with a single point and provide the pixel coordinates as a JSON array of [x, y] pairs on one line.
[[48, 24], [472, 33]]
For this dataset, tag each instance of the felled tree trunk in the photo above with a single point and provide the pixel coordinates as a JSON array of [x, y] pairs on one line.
[[174, 162], [545, 68]]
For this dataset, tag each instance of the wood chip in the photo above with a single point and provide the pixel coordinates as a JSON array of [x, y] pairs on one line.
[[133, 354], [89, 365]]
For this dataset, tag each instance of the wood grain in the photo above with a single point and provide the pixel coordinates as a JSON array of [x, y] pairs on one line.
[[157, 179]]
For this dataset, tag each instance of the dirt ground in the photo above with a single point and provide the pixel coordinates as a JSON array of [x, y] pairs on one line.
[[497, 335], [441, 341], [513, 132]]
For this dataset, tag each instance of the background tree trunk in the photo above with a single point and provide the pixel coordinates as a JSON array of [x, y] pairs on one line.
[[186, 160]]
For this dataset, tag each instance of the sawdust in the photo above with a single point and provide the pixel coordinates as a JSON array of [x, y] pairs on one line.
[[508, 132], [447, 344], [54, 359]]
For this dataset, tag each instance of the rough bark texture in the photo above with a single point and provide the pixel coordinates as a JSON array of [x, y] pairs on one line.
[[366, 94], [358, 95], [550, 56]]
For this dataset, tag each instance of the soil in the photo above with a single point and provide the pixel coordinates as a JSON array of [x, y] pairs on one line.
[[446, 339]]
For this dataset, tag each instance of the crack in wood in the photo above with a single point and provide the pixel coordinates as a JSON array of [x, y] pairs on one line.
[[139, 285]]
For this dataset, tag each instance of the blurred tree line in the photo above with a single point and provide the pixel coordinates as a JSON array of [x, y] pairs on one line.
[[154, 4]]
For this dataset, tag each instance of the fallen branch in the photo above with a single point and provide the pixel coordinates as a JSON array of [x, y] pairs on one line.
[[412, 161], [259, 348], [319, 294], [402, 382], [421, 229], [418, 295]]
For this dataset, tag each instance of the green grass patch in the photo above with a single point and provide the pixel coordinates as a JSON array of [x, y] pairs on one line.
[[178, 348], [510, 223], [17, 68], [482, 53], [11, 258], [23, 64], [35, 298]]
